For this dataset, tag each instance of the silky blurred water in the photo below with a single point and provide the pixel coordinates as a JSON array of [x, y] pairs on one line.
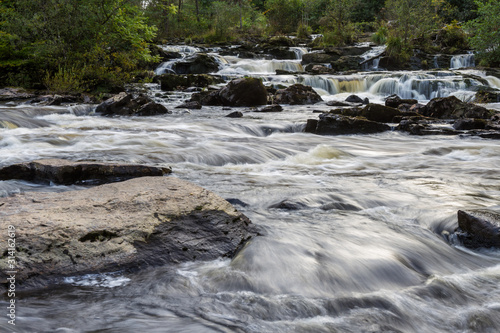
[[356, 227]]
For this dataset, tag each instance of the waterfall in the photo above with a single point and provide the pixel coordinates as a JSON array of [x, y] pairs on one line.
[[299, 52], [373, 53], [462, 60]]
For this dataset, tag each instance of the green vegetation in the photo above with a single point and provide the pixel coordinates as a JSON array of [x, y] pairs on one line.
[[98, 45]]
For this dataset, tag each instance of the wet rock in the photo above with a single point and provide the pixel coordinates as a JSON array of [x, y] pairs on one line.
[[394, 101], [12, 94], [151, 109], [339, 103], [54, 99], [380, 113], [469, 123], [488, 96], [411, 126], [279, 53], [288, 205], [332, 124], [208, 98], [271, 108], [453, 108], [479, 228], [354, 99], [170, 82], [319, 58], [346, 63], [280, 41], [125, 104], [244, 92], [197, 64], [235, 114], [318, 69], [191, 105], [124, 226], [66, 172], [297, 94]]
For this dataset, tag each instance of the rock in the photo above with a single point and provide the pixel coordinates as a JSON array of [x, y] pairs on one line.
[[281, 41], [123, 226], [453, 108], [207, 98], [271, 108], [339, 103], [244, 92], [67, 172], [199, 63], [191, 105], [319, 58], [280, 53], [235, 114], [488, 96], [346, 63], [469, 123], [151, 109], [479, 228], [12, 94], [354, 99], [331, 124], [125, 104], [394, 101], [380, 113], [297, 94], [170, 82], [318, 69]]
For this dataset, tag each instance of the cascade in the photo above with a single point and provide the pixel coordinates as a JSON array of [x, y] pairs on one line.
[[462, 60]]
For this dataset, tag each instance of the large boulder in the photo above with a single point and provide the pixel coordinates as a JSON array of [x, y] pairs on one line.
[[333, 124], [452, 108], [479, 228], [244, 92], [66, 172], [129, 225], [200, 63], [125, 104], [380, 113], [297, 94]]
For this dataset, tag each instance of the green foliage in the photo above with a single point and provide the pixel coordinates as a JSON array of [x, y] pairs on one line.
[[284, 15], [452, 36], [380, 36], [303, 31], [412, 21], [58, 36], [486, 33], [65, 80]]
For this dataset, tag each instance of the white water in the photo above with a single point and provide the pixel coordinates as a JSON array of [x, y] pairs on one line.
[[462, 61], [365, 250]]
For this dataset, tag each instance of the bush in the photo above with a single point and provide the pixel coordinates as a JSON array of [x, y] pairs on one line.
[[380, 36], [303, 31]]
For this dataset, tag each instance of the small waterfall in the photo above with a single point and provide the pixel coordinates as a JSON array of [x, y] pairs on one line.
[[462, 61], [299, 52], [373, 53], [183, 50]]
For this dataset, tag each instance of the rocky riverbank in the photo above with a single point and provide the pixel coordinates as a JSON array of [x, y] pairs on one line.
[[130, 225]]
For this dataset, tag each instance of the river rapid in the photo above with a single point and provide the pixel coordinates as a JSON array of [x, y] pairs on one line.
[[358, 229]]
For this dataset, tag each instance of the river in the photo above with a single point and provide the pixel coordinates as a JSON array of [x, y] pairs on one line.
[[358, 229]]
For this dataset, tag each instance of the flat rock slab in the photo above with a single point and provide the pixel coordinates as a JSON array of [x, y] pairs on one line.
[[481, 228], [129, 225], [67, 172]]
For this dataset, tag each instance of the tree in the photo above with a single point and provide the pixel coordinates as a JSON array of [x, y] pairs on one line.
[[410, 21], [485, 32], [96, 41]]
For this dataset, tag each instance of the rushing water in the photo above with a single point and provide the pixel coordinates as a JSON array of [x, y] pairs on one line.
[[360, 244]]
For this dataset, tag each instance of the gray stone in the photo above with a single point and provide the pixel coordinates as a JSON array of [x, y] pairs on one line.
[[124, 226], [480, 228], [67, 172]]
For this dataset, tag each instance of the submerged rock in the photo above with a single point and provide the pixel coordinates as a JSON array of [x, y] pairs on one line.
[[67, 172], [394, 101], [333, 124], [479, 228], [271, 108], [297, 94], [130, 225], [191, 105]]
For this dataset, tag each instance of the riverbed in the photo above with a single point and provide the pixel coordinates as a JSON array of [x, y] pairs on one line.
[[358, 228]]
